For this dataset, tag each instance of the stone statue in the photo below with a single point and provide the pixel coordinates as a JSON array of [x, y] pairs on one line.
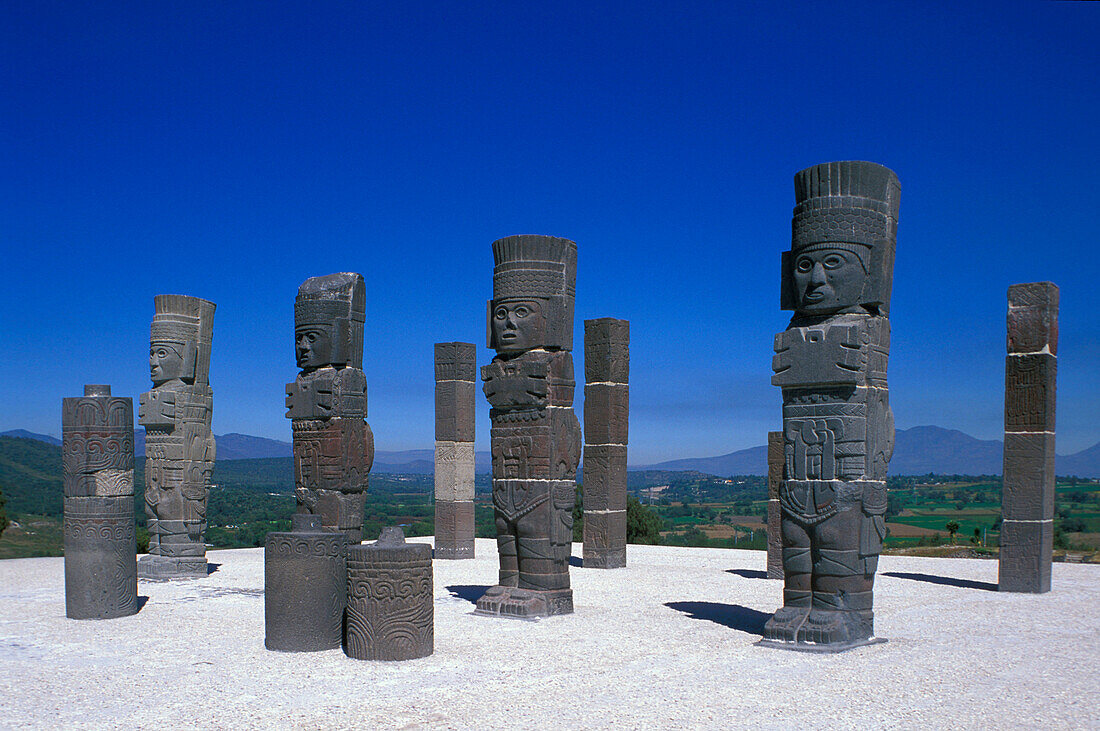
[[838, 429], [327, 403], [391, 610], [535, 436], [179, 446], [775, 480], [97, 447], [455, 373], [606, 412], [1027, 504], [305, 587]]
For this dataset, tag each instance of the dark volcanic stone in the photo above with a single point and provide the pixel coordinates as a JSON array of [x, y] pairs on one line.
[[305, 585], [390, 612]]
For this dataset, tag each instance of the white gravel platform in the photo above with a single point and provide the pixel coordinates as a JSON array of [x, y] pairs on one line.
[[665, 643]]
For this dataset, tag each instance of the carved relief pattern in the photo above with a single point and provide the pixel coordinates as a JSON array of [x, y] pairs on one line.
[[390, 613], [327, 404]]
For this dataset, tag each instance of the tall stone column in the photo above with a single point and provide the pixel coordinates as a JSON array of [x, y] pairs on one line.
[[327, 403], [97, 447], [838, 430], [606, 412], [536, 438], [775, 480], [455, 373], [1027, 502], [179, 446]]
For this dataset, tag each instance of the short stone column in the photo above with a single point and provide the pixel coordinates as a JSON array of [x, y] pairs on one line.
[[606, 412], [775, 479], [455, 374], [305, 586], [390, 613], [1027, 501], [97, 446]]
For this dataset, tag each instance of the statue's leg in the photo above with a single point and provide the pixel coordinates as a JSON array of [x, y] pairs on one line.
[[507, 549], [841, 589], [537, 557], [785, 623]]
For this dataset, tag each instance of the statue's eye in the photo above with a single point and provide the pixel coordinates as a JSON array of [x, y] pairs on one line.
[[522, 311], [501, 313], [833, 261], [804, 265]]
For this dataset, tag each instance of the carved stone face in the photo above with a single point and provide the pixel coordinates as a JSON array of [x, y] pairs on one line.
[[313, 345], [165, 362], [827, 281], [518, 325]]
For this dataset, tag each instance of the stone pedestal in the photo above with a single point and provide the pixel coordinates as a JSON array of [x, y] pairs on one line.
[[1027, 502], [305, 587], [97, 447], [390, 614], [606, 417], [775, 479], [455, 373]]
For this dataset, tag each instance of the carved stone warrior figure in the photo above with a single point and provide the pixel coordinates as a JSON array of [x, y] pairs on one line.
[[97, 447], [327, 403], [179, 446], [838, 430], [536, 438]]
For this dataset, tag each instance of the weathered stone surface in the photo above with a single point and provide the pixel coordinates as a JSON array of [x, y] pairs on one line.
[[1028, 476], [1033, 318], [454, 471], [305, 587], [607, 350], [1027, 502], [606, 413], [1026, 554], [97, 447], [605, 477], [390, 614], [775, 481], [456, 362], [179, 446], [838, 430], [327, 403], [1030, 392], [454, 529], [454, 412], [535, 436], [604, 539]]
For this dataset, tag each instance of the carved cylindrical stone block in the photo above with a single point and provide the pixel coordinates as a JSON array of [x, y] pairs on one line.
[[775, 479], [455, 373], [99, 536], [1027, 504], [305, 585], [390, 613], [606, 409]]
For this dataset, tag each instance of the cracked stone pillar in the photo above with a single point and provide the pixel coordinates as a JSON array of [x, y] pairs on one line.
[[536, 438], [775, 479], [606, 412], [327, 403], [179, 446], [455, 374], [1027, 502], [838, 429], [97, 447]]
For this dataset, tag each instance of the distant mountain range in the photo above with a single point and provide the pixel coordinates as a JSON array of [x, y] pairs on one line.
[[917, 451]]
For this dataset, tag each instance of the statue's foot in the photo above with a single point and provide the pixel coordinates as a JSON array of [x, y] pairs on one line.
[[508, 601], [836, 627], [785, 623]]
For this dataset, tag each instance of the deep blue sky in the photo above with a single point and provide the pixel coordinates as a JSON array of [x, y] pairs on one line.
[[230, 150]]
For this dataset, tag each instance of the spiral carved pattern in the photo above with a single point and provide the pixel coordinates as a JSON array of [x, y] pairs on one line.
[[390, 613], [286, 544]]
